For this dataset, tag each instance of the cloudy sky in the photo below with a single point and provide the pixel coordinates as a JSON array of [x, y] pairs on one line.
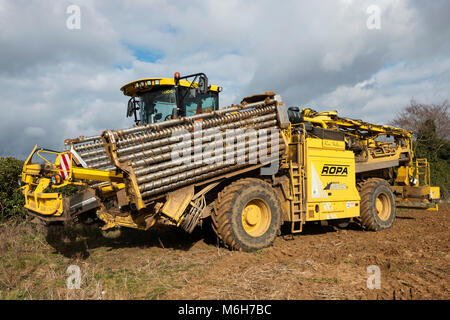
[[57, 82]]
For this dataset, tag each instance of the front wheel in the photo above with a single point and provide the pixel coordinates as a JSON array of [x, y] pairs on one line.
[[247, 215]]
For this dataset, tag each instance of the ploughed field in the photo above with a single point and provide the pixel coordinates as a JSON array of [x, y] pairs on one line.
[[166, 263]]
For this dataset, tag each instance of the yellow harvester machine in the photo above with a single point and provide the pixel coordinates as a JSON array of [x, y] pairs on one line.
[[250, 167]]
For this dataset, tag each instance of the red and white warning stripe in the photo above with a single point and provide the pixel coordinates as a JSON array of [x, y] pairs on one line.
[[64, 165]]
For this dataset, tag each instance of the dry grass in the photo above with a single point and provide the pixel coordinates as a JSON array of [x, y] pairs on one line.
[[34, 269], [163, 263]]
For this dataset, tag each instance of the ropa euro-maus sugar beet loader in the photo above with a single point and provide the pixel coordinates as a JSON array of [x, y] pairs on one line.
[[251, 167]]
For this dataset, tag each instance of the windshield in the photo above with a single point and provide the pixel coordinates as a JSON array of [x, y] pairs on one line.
[[157, 105], [199, 103]]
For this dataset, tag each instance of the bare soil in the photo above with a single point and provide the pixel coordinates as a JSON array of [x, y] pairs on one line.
[[166, 263]]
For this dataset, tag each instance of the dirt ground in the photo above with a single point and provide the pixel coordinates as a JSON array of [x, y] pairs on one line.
[[163, 263]]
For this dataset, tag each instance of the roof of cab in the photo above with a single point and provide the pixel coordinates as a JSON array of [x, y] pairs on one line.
[[142, 85]]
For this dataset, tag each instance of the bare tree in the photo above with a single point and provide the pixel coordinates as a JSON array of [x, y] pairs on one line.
[[417, 115], [430, 126]]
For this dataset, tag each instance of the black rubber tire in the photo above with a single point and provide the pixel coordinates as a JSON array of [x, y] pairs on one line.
[[227, 214], [369, 191]]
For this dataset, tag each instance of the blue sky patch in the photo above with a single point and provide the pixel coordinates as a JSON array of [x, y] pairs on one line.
[[143, 54]]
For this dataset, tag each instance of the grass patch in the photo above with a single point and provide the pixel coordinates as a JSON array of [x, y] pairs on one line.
[[325, 280], [156, 292]]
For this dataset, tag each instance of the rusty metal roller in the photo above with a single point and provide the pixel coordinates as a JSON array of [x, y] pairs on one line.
[[193, 176], [159, 162], [144, 136], [250, 146], [141, 158]]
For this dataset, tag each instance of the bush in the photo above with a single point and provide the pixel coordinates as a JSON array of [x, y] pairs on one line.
[[11, 198]]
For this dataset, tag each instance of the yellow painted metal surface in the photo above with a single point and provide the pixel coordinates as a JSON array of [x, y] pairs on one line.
[[96, 175], [331, 185], [383, 206], [141, 85], [43, 203], [37, 178], [36, 200], [256, 217], [403, 175], [330, 119], [177, 201], [112, 221], [428, 193]]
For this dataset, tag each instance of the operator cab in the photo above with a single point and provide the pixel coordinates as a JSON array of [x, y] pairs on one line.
[[154, 100]]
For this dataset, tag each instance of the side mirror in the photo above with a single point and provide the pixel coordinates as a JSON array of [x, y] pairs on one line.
[[130, 108], [203, 84]]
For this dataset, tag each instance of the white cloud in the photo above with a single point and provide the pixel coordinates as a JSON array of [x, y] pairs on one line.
[[385, 93], [321, 54]]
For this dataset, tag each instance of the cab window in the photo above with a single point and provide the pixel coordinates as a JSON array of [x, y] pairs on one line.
[[157, 105], [200, 103]]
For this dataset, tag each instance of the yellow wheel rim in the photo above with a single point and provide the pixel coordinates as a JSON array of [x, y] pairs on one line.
[[256, 217], [383, 206]]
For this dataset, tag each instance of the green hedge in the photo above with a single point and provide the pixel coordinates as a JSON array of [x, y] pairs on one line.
[[11, 198]]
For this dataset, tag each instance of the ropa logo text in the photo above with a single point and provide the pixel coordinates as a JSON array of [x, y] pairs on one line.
[[334, 170]]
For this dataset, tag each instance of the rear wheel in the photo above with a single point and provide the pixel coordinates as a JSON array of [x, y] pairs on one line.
[[377, 204], [247, 215]]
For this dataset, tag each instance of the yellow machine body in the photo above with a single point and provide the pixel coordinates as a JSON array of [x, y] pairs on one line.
[[318, 180], [331, 186], [40, 176]]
